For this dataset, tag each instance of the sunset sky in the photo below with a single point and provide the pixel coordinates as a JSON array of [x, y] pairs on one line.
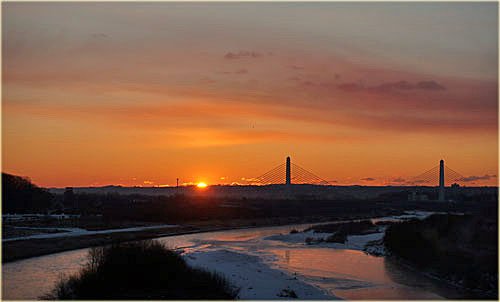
[[143, 93]]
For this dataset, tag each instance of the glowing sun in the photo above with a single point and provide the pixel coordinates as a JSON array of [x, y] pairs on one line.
[[201, 185]]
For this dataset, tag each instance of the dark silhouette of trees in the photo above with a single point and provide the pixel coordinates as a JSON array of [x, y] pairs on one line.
[[460, 248], [20, 195]]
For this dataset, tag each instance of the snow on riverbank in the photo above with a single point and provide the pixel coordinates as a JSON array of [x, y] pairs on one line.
[[256, 280], [353, 242], [299, 237], [407, 215], [72, 232]]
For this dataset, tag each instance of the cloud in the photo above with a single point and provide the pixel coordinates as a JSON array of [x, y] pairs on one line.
[[399, 179], [418, 182], [474, 178], [308, 83], [392, 86], [401, 85], [239, 71], [99, 36], [429, 85], [350, 87], [207, 80], [242, 54], [368, 179]]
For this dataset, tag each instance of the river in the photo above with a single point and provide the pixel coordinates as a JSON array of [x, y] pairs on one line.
[[337, 272]]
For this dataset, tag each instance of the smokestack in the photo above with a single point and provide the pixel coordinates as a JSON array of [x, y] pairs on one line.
[[441, 180], [288, 172]]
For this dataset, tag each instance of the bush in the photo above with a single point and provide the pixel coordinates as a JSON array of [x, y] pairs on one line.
[[351, 228], [460, 248], [338, 237], [140, 270], [288, 293]]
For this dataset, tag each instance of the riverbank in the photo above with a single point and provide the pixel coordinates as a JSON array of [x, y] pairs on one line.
[[461, 250], [27, 248], [263, 268]]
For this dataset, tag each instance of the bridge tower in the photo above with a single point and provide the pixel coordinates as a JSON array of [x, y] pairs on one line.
[[441, 180], [288, 180]]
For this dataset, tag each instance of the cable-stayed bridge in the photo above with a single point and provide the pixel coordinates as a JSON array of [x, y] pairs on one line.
[[289, 173], [431, 176]]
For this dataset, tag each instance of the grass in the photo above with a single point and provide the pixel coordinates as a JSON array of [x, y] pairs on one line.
[[140, 270]]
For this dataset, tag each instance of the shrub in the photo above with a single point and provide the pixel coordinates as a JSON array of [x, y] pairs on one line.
[[288, 293], [338, 237], [350, 228], [461, 248], [140, 270]]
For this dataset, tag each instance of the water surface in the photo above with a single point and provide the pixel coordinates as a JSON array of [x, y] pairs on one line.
[[348, 274]]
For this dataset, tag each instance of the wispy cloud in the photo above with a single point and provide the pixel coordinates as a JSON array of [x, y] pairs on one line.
[[476, 178], [392, 86], [239, 71], [429, 85], [399, 180], [99, 36], [243, 54]]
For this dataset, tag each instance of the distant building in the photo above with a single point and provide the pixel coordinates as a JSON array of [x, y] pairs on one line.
[[423, 197]]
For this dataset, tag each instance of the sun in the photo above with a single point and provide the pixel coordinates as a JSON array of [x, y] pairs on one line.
[[201, 185]]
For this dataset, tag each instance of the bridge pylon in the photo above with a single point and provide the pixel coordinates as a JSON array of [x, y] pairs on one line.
[[441, 196], [288, 178], [439, 174]]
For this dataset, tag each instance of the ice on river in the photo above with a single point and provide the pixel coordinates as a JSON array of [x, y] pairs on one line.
[[256, 280]]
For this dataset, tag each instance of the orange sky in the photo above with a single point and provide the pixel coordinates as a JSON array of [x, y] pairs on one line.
[[140, 94]]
